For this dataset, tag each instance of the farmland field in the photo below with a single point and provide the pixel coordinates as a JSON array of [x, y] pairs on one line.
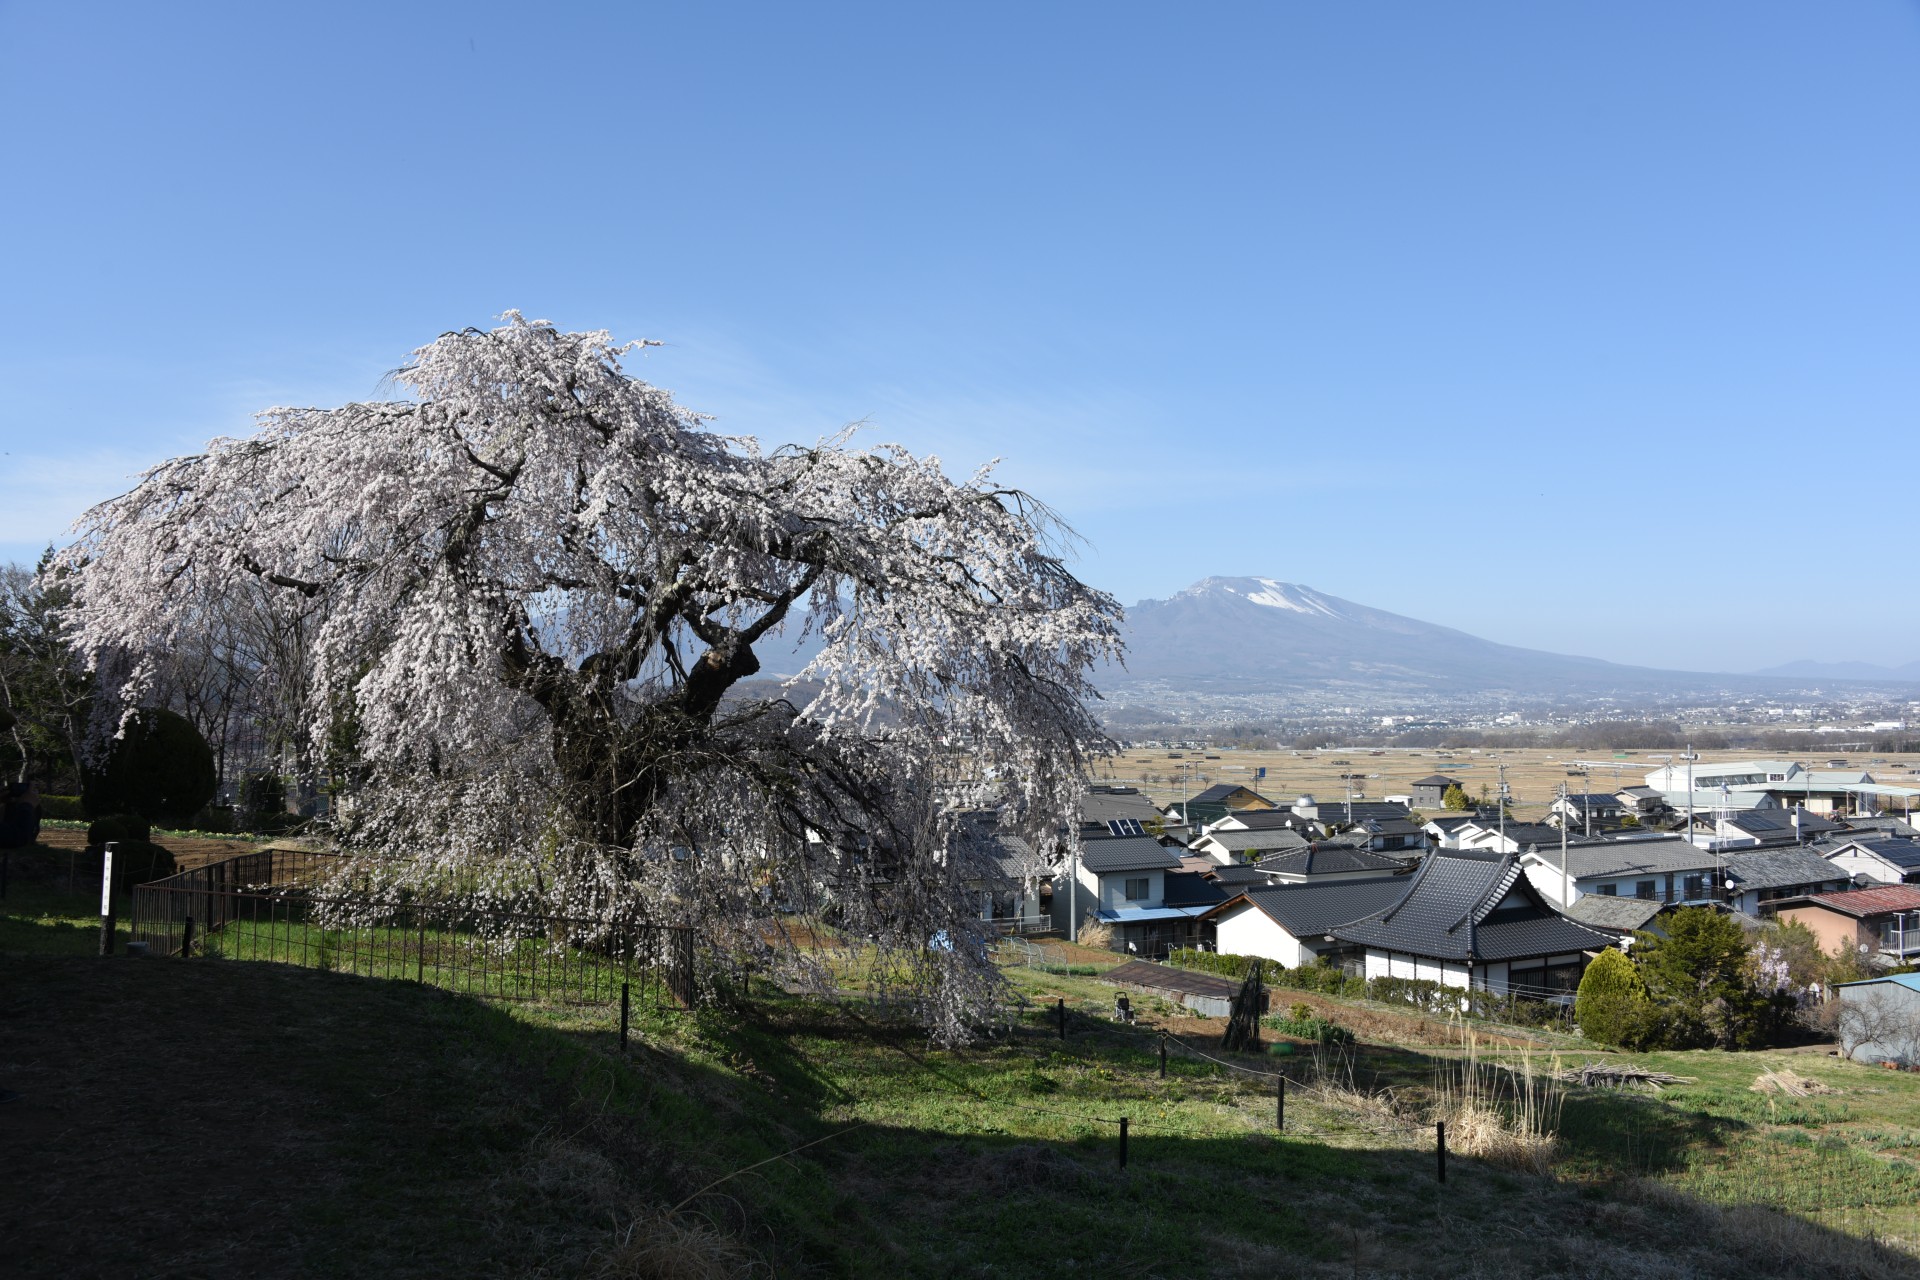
[[1532, 773]]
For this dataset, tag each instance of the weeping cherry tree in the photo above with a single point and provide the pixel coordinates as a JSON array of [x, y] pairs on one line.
[[539, 592]]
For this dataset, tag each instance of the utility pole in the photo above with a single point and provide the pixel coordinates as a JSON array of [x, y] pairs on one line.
[[1586, 801], [1566, 877], [1689, 757], [1501, 800]]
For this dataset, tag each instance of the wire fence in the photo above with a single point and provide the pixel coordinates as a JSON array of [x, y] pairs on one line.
[[289, 906]]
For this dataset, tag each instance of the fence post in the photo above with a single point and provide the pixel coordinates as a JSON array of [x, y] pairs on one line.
[[1440, 1146], [106, 898], [186, 941], [1060, 1011], [624, 988], [1163, 1055], [420, 960], [1123, 1142], [1280, 1103]]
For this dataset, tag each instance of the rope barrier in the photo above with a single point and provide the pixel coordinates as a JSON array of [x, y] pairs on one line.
[[769, 1160]]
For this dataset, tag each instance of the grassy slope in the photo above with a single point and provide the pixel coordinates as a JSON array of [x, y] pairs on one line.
[[217, 1118]]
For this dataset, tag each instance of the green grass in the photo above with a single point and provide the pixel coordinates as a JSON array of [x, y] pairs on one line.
[[372, 1126]]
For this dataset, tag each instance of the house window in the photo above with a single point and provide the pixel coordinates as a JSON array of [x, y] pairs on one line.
[[1136, 888], [1696, 887], [1609, 890], [1646, 890]]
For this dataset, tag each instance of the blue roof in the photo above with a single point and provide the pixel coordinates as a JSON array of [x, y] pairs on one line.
[[1911, 981], [1138, 915]]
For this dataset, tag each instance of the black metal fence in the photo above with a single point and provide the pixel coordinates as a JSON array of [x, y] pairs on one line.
[[285, 905]]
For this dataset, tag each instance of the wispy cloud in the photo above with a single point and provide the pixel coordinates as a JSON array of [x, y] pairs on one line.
[[46, 493]]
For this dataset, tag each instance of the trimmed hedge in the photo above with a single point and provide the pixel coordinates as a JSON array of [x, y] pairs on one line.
[[1423, 994], [62, 807]]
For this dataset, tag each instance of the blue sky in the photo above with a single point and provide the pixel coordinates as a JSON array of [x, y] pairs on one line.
[[1589, 327]]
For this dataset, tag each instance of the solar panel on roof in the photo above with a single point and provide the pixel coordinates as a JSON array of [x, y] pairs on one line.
[[1125, 826]]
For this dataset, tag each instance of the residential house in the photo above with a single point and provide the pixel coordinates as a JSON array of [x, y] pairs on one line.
[[1767, 826], [1330, 860], [1471, 919], [1330, 817], [1108, 812], [1217, 802], [1290, 923], [1875, 859], [1882, 923], [1643, 803], [1583, 810], [1226, 846], [1445, 830], [1621, 917], [1431, 792], [1511, 837], [1764, 877], [1660, 869], [1400, 836], [1137, 886]]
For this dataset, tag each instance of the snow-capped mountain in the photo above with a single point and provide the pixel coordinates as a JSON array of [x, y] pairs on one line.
[[1254, 633]]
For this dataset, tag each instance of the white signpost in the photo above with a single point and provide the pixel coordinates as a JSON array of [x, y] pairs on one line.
[[106, 901]]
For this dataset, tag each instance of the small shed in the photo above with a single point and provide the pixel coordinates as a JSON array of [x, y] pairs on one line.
[[1880, 1019]]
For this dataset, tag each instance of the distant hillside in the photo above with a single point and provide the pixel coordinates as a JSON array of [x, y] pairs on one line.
[[1259, 633], [1808, 669]]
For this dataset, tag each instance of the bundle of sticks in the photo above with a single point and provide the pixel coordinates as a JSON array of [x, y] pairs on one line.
[[1613, 1075]]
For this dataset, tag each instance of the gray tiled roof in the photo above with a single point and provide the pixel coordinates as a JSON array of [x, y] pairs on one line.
[[1220, 792], [1599, 911], [1331, 859], [1449, 912], [1629, 857], [1128, 853], [1303, 909], [1241, 841], [1103, 806], [1781, 869]]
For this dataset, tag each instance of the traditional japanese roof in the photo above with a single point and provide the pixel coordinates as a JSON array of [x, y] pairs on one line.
[[1128, 853], [1880, 900], [1330, 859], [1470, 905], [1886, 826], [1392, 826], [1615, 915], [1307, 909]]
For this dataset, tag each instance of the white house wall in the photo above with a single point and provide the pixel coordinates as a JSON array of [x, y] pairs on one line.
[[1248, 931]]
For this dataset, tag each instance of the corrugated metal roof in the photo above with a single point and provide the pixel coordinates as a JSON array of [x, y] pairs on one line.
[[1911, 981], [1142, 915]]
